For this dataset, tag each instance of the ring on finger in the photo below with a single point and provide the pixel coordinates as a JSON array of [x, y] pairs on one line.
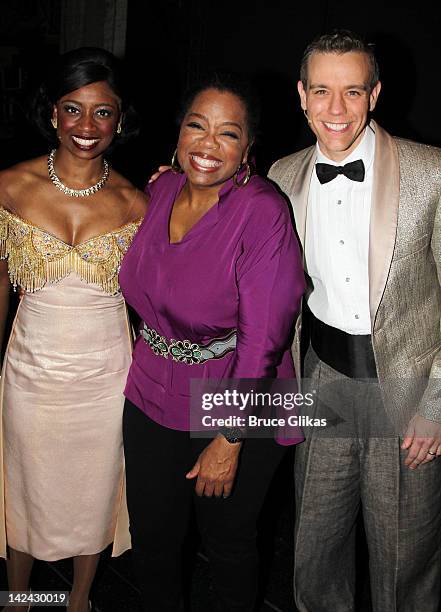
[[433, 453]]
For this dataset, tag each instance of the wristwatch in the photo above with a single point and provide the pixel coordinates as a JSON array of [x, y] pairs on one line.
[[233, 435]]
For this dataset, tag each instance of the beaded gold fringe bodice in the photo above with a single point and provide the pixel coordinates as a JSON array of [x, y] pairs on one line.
[[36, 257]]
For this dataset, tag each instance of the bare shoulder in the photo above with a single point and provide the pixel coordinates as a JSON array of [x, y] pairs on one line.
[[134, 200], [20, 180]]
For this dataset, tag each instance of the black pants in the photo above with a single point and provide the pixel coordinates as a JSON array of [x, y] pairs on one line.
[[160, 500]]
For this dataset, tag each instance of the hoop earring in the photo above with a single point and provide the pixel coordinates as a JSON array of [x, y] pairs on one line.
[[119, 128], [54, 123], [176, 168], [247, 176]]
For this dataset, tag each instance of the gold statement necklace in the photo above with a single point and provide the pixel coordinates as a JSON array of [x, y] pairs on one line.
[[75, 193]]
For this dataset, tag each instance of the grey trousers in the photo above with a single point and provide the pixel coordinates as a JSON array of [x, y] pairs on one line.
[[360, 467]]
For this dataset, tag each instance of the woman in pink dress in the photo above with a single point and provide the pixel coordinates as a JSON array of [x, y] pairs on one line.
[[66, 220]]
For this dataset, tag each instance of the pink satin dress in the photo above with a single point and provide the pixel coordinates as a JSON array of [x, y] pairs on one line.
[[63, 376]]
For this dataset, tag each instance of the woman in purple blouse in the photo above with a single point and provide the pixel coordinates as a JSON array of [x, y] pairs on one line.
[[215, 258]]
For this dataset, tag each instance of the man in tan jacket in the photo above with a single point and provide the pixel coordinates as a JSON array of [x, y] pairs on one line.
[[368, 213]]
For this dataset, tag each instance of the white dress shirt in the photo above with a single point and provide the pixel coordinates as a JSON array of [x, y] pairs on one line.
[[337, 243]]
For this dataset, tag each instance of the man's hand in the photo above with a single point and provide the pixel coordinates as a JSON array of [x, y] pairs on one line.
[[161, 169], [423, 441], [216, 468]]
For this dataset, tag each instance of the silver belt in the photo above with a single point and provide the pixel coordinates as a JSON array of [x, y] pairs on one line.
[[187, 351]]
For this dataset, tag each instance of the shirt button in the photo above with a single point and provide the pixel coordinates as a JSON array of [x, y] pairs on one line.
[[341, 241], [347, 279], [357, 316], [338, 202]]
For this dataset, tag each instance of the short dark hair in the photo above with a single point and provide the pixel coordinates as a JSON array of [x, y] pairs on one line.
[[231, 83], [340, 41], [76, 69]]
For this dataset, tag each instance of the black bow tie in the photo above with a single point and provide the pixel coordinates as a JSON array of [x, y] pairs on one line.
[[354, 171]]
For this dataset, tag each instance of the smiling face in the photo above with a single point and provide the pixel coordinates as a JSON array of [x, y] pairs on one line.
[[337, 100], [213, 139], [87, 119]]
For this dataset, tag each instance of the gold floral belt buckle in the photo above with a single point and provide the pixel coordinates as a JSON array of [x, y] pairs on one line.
[[186, 351]]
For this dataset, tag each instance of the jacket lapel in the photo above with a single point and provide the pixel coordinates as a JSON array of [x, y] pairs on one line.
[[384, 216], [300, 191]]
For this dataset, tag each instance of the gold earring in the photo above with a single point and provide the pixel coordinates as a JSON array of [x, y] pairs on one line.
[[175, 166], [54, 123], [247, 175], [118, 127]]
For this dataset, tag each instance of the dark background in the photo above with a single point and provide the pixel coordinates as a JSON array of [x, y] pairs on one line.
[[167, 44]]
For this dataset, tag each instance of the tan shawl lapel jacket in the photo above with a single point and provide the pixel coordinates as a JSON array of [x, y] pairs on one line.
[[404, 268]]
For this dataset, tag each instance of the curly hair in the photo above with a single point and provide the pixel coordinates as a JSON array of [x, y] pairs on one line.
[[235, 84]]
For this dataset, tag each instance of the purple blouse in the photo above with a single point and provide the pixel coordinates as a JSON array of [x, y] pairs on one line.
[[239, 267]]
